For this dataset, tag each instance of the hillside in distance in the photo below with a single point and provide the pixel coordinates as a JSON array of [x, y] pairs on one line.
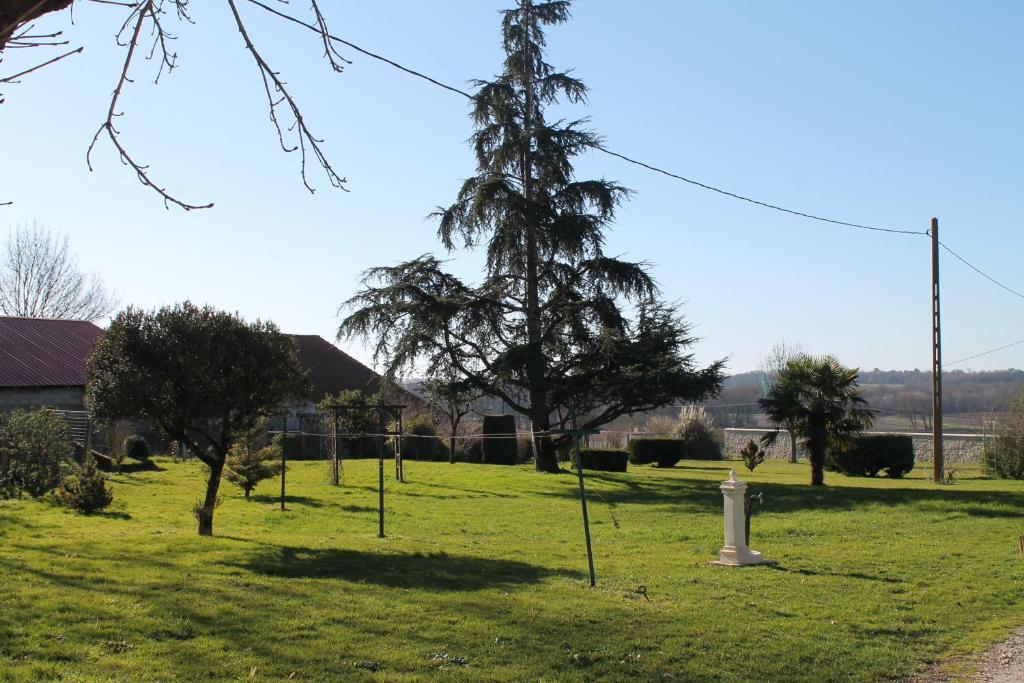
[[902, 397]]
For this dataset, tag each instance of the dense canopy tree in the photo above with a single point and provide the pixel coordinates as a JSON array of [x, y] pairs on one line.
[[556, 325], [818, 399], [205, 377]]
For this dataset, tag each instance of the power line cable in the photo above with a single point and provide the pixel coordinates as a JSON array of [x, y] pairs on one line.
[[983, 353], [656, 169], [364, 51], [756, 201], [981, 272], [601, 148]]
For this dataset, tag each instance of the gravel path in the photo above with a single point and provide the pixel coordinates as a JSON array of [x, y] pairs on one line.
[[1001, 663]]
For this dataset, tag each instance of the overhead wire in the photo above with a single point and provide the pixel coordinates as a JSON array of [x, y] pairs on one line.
[[980, 272], [983, 353], [656, 169], [599, 147]]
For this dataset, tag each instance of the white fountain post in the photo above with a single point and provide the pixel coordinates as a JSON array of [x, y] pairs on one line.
[[735, 552]]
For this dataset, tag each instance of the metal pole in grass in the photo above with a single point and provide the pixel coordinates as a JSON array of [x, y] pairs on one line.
[[380, 472], [576, 434], [335, 464], [284, 457]]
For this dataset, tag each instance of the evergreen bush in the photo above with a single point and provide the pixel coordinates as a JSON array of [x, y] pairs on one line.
[[420, 440], [246, 465], [500, 445], [752, 455], [33, 446], [83, 487], [660, 452], [602, 459], [136, 447], [866, 456]]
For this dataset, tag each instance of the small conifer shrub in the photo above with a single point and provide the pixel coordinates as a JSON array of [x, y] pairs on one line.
[[84, 488]]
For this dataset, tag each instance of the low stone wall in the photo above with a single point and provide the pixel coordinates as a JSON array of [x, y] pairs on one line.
[[957, 448]]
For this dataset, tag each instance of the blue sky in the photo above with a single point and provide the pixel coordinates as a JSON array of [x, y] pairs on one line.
[[874, 112]]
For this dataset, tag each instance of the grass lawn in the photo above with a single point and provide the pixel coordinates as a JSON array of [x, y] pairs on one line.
[[482, 577]]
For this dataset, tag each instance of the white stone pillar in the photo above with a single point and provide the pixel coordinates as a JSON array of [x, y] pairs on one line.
[[735, 552]]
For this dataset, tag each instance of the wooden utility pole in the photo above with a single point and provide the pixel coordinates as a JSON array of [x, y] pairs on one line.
[[937, 456]]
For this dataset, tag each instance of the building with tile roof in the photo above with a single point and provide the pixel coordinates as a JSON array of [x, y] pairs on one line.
[[42, 362]]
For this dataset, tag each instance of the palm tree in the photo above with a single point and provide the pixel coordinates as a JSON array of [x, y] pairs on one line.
[[818, 397]]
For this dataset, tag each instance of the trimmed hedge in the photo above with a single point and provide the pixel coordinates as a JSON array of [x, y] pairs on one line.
[[602, 459], [136, 447], [500, 445], [699, 444], [661, 452], [421, 442], [869, 455]]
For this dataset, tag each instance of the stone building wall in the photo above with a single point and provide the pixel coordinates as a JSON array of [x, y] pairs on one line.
[[957, 448], [62, 398]]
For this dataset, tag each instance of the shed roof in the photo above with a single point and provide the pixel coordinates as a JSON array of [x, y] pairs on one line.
[[42, 352], [331, 370]]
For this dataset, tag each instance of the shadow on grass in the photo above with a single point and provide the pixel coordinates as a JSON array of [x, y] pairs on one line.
[[111, 514], [696, 495], [846, 575], [266, 498], [141, 466], [435, 571]]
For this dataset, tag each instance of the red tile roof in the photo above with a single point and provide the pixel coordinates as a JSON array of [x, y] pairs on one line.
[[331, 370], [39, 352]]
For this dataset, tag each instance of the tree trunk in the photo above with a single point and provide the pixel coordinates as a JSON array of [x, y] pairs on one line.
[[546, 459], [540, 418], [817, 467], [205, 513], [792, 446]]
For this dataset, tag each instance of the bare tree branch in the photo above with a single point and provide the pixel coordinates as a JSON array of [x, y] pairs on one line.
[[40, 278], [139, 14], [16, 30], [277, 95]]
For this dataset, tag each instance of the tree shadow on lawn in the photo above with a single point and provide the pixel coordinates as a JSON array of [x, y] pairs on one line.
[[266, 498], [434, 571], [846, 575], [698, 495]]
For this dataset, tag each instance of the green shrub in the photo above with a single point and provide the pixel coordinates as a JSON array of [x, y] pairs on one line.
[[472, 450], [1003, 456], [661, 452], [136, 447], [83, 487], [866, 456], [246, 466], [500, 445], [696, 431], [602, 459], [33, 446], [420, 440], [752, 455]]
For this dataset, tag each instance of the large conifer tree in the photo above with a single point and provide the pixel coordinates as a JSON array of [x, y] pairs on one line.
[[556, 326]]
